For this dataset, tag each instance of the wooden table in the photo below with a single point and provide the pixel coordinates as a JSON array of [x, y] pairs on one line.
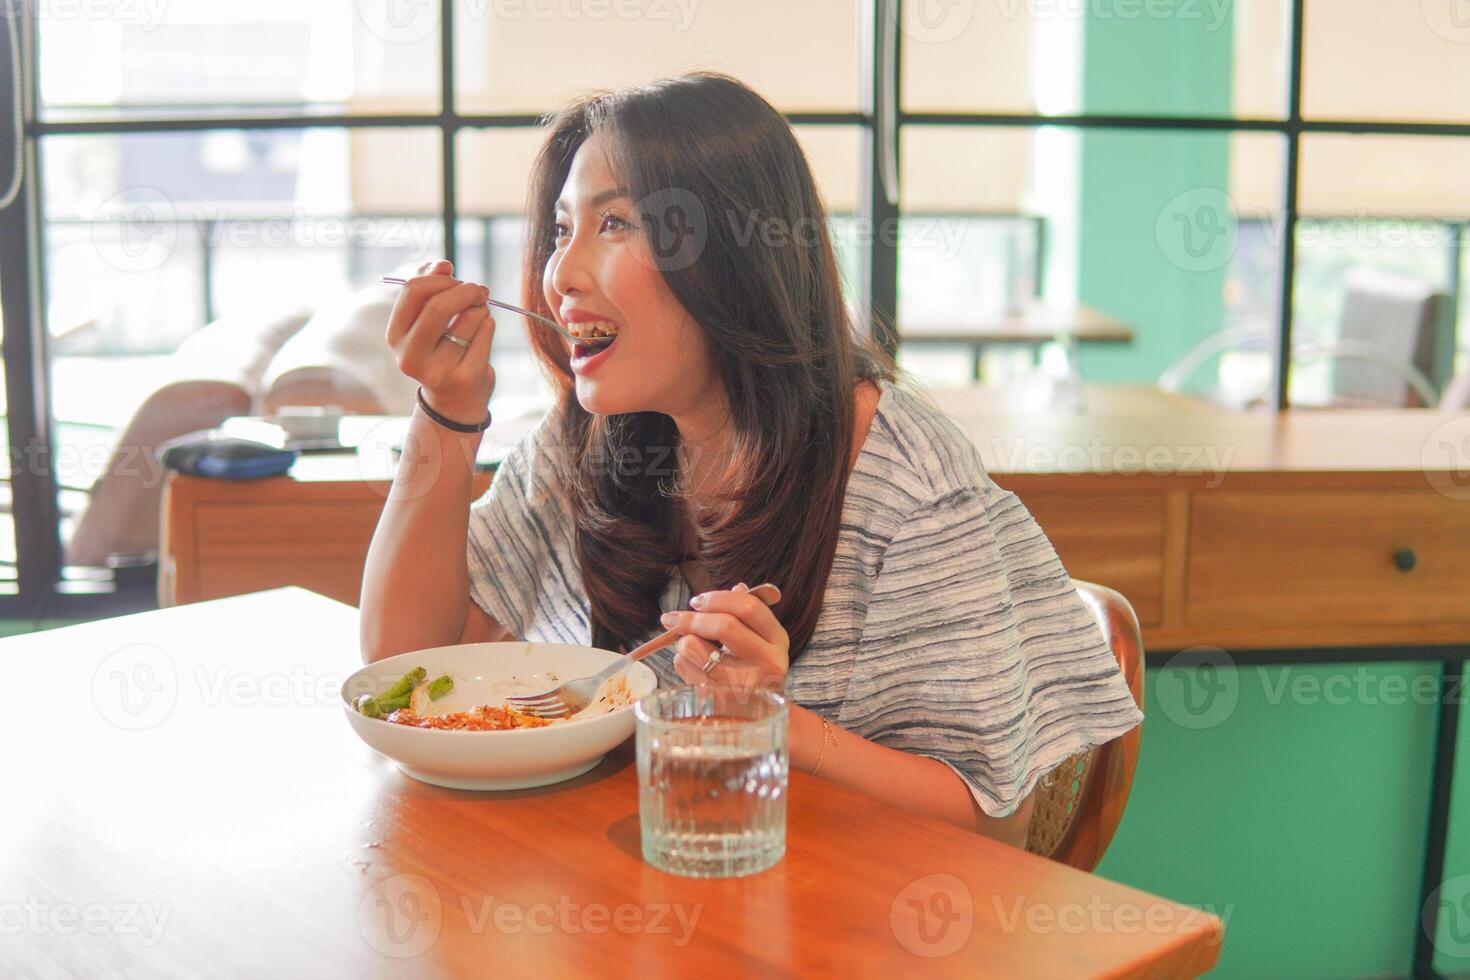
[[1033, 323], [188, 801], [1181, 506]]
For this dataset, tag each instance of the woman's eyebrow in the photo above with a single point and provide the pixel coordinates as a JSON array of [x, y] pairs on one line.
[[598, 199]]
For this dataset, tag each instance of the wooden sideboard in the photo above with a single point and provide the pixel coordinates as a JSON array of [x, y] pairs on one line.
[[1257, 530]]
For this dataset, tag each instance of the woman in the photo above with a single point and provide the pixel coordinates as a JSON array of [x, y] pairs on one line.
[[737, 431]]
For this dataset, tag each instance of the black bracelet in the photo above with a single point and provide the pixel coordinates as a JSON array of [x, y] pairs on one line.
[[450, 423]]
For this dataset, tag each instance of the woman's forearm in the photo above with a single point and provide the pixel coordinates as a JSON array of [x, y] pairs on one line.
[[913, 782], [415, 584]]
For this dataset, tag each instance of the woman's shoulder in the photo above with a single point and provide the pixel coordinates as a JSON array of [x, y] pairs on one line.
[[916, 454]]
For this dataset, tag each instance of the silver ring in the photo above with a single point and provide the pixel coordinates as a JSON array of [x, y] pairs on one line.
[[457, 341], [713, 660]]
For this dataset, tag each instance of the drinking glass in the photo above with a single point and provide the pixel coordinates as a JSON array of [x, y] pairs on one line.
[[712, 776]]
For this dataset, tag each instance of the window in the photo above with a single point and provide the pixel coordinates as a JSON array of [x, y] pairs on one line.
[[201, 179]]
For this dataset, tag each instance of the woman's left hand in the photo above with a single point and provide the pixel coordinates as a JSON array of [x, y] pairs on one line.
[[755, 643]]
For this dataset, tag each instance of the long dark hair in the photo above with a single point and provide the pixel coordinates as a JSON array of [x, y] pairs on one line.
[[703, 150]]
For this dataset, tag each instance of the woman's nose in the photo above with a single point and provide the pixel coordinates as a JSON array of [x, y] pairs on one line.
[[571, 274]]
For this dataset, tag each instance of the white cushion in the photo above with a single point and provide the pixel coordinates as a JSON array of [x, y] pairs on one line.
[[341, 356]]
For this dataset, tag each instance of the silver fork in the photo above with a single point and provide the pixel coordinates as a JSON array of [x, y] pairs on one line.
[[574, 695], [596, 341]]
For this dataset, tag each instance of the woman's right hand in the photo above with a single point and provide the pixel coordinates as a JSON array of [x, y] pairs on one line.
[[457, 381]]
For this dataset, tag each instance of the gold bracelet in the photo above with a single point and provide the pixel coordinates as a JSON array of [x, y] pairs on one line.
[[826, 731]]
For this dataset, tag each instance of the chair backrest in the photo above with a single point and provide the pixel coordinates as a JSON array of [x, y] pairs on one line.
[[1079, 803], [1398, 316]]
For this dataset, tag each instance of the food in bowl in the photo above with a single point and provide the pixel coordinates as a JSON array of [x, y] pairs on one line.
[[481, 719], [484, 675], [411, 692], [409, 701]]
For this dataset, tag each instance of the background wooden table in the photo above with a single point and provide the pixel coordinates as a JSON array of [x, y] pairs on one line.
[[1221, 528], [186, 800], [1033, 324]]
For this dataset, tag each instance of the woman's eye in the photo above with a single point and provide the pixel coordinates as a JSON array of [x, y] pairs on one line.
[[560, 231], [611, 222]]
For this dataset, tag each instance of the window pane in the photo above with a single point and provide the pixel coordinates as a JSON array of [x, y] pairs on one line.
[[1050, 56], [968, 248], [8, 584], [193, 57], [1373, 249], [1364, 59], [529, 56], [835, 155], [493, 173], [1172, 235], [1462, 328], [174, 257]]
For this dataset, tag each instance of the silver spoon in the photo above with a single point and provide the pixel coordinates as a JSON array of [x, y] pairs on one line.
[[593, 341]]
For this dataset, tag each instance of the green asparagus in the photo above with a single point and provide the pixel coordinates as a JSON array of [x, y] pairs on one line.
[[405, 684], [400, 695]]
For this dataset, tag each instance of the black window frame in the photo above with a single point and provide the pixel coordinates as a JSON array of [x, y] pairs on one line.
[[41, 590]]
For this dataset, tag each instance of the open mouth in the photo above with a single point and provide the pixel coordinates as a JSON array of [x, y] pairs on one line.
[[583, 351], [594, 337]]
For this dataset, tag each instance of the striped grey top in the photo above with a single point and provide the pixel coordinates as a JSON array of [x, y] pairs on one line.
[[949, 627]]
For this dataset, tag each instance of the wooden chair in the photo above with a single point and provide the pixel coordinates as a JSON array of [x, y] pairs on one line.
[[1080, 802]]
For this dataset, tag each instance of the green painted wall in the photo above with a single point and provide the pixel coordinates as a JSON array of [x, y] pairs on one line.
[[1453, 943], [1151, 203], [1299, 819], [15, 627], [1296, 812]]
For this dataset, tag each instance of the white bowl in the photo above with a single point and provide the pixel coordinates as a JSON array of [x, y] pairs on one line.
[[484, 673]]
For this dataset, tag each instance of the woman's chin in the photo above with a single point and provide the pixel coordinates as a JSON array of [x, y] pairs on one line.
[[594, 396]]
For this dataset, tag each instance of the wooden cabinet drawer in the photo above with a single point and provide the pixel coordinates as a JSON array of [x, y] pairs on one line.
[[1115, 540], [1327, 557], [245, 547]]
